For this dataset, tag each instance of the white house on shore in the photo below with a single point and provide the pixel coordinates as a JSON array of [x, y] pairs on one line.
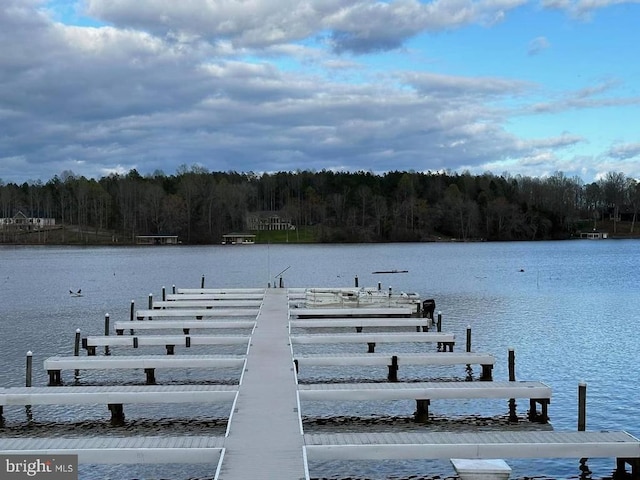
[[21, 222], [268, 221]]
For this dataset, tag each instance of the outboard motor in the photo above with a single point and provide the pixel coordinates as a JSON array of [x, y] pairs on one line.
[[428, 307]]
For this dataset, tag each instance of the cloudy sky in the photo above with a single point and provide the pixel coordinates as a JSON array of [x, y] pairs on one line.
[[530, 88]]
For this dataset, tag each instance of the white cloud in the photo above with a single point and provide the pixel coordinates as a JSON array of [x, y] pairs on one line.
[[537, 45]]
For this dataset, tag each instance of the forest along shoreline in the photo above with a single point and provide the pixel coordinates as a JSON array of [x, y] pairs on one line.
[[198, 207]]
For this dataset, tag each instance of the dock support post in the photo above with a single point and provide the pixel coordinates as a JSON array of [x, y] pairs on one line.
[[106, 332], [487, 373], [513, 417], [151, 375], [173, 289], [164, 294], [27, 382], [150, 305], [29, 372], [117, 414], [76, 350], [582, 406], [468, 368], [295, 363], [202, 282], [372, 347], [512, 365], [621, 471], [422, 411], [356, 281], [131, 316], [55, 377], [441, 347], [170, 349], [393, 369]]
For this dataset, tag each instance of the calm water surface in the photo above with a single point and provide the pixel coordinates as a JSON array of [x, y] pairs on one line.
[[568, 309]]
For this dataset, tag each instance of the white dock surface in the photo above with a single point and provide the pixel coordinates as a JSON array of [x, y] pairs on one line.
[[265, 440]]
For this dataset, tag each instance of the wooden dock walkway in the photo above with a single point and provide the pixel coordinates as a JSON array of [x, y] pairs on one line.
[[360, 322], [116, 396], [121, 450], [399, 312], [184, 325], [265, 437], [197, 313], [168, 341], [206, 304], [394, 362], [55, 365], [476, 445]]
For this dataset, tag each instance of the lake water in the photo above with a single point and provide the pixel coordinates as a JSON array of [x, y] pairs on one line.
[[570, 310]]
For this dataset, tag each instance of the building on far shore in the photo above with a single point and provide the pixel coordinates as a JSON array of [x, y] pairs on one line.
[[157, 240], [594, 235], [20, 221], [238, 239], [268, 221]]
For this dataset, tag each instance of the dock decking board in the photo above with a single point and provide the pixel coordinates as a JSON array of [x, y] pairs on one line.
[[505, 444], [197, 313], [357, 322], [121, 450], [222, 291], [184, 325], [265, 438], [368, 337], [438, 358], [55, 365], [183, 340], [214, 296], [423, 390], [206, 304], [352, 312], [116, 394]]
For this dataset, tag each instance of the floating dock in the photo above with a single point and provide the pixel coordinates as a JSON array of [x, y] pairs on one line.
[[265, 438]]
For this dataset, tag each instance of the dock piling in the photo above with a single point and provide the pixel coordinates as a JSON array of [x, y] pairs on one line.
[[422, 411], [393, 369], [202, 282], [76, 350], [131, 315], [513, 417], [106, 332], [29, 374], [582, 406]]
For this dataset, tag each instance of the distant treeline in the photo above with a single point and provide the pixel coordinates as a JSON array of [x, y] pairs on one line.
[[200, 206]]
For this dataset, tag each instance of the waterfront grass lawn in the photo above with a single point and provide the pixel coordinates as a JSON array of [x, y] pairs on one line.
[[301, 235]]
